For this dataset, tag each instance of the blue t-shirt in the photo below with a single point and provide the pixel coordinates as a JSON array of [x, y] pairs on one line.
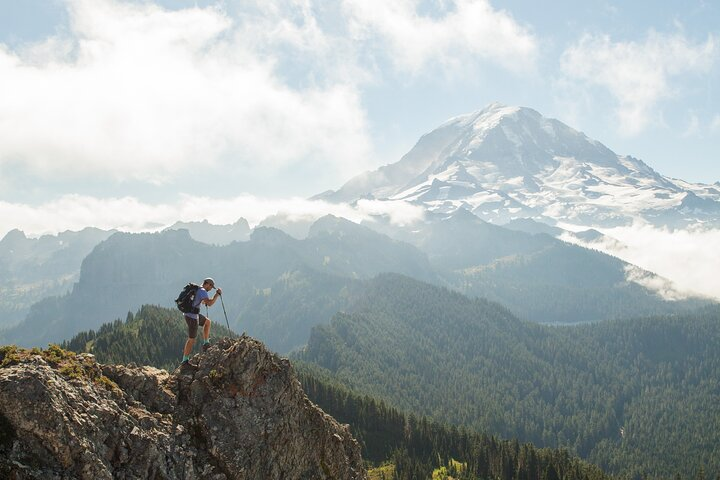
[[200, 295]]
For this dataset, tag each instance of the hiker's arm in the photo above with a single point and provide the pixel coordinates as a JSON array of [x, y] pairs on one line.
[[211, 301]]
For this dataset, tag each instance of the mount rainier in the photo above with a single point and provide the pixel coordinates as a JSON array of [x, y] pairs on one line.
[[504, 163]]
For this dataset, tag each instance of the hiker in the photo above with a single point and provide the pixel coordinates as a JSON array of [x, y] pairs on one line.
[[194, 319]]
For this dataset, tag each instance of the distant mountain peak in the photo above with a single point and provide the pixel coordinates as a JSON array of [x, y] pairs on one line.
[[206, 232], [331, 222], [488, 116], [508, 162], [14, 235]]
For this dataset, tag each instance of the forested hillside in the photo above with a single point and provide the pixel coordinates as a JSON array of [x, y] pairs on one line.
[[638, 397], [416, 446], [409, 446]]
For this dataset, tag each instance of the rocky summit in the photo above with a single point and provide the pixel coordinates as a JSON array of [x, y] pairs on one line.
[[238, 413]]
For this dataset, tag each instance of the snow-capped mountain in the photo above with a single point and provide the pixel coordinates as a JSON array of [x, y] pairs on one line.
[[503, 163]]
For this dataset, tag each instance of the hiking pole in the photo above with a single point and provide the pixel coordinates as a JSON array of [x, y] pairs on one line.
[[226, 320]]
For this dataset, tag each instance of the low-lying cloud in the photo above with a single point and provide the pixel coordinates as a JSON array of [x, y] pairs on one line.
[[690, 257], [75, 212]]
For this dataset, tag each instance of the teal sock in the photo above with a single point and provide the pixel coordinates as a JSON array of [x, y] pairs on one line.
[[186, 357], [207, 340]]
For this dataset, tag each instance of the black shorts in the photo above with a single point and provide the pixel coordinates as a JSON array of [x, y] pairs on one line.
[[193, 324]]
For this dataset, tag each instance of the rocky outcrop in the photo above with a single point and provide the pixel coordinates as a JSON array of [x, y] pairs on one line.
[[240, 413]]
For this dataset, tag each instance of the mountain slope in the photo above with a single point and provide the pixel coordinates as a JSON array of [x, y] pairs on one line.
[[34, 268], [504, 163], [638, 397], [538, 277]]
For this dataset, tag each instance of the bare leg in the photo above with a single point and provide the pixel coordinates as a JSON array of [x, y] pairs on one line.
[[188, 346], [206, 329]]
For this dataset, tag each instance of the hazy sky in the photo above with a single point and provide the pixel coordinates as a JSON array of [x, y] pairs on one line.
[[202, 109]]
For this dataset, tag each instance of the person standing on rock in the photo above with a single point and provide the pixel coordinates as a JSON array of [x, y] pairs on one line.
[[194, 319]]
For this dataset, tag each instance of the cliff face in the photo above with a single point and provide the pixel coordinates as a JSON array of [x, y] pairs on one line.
[[241, 414]]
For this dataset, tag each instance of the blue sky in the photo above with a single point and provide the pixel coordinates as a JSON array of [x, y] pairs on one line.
[[122, 113]]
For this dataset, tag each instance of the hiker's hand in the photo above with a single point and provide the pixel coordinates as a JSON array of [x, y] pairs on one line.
[[219, 291]]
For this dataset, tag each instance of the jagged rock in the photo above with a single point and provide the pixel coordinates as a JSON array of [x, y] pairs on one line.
[[240, 413]]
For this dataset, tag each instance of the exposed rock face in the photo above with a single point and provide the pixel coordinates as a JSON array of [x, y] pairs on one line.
[[241, 414]]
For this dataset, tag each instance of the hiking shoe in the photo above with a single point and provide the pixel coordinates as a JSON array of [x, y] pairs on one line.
[[205, 346], [185, 363]]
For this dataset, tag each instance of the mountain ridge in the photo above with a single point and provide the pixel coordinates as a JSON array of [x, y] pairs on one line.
[[278, 287]]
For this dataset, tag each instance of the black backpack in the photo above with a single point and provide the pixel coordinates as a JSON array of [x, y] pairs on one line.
[[186, 298]]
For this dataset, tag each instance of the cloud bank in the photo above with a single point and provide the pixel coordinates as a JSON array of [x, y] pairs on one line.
[[134, 91], [690, 257], [75, 212]]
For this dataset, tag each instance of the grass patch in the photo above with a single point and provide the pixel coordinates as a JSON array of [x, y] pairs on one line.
[[65, 362], [451, 472], [383, 472]]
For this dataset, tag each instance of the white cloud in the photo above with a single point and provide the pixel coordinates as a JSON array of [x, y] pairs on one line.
[[308, 36], [139, 92], [638, 75], [398, 211], [655, 283], [75, 212], [693, 128], [715, 124], [690, 258], [464, 31]]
